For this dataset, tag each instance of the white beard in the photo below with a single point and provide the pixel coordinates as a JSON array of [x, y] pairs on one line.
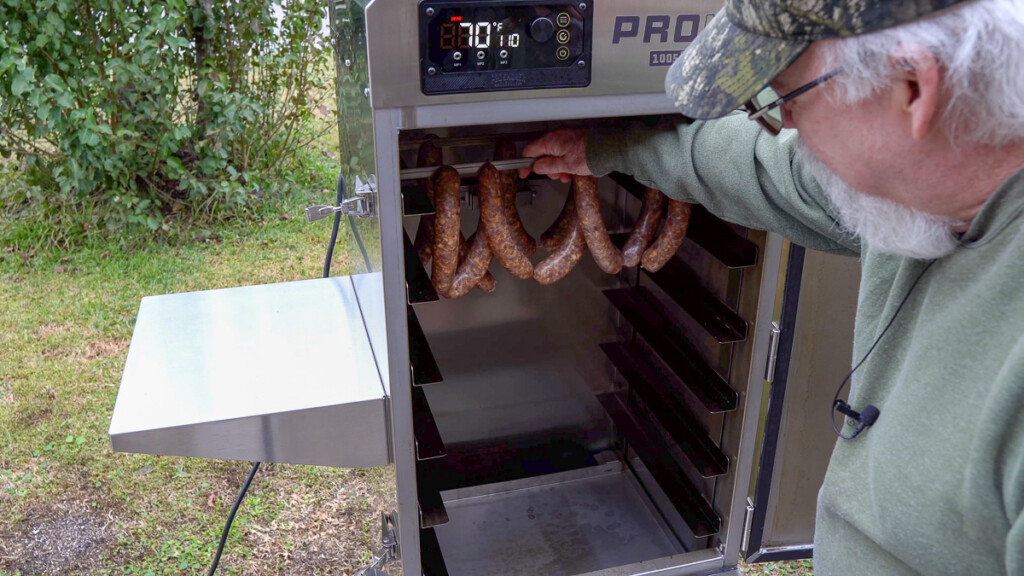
[[882, 224]]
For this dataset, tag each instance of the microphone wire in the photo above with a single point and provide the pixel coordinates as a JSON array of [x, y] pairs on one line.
[[842, 384]]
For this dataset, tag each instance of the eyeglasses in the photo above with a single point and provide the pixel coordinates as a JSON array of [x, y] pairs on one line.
[[766, 106]]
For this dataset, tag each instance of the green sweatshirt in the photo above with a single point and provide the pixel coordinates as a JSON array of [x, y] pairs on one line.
[[936, 486]]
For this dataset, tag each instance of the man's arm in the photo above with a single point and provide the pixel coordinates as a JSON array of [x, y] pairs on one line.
[[731, 166]]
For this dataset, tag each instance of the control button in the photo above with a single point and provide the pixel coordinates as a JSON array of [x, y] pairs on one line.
[[481, 55], [503, 54], [563, 19], [452, 62], [542, 29], [562, 53], [563, 36]]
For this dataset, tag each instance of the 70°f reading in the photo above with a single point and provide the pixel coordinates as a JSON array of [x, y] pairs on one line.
[[464, 35]]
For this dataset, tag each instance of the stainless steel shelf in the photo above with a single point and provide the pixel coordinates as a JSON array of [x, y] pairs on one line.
[[687, 499], [667, 406], [640, 309], [577, 522]]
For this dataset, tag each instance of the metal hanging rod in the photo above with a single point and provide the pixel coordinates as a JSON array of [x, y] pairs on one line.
[[467, 141], [466, 169]]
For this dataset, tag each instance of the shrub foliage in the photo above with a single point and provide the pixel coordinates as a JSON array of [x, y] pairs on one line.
[[146, 115]]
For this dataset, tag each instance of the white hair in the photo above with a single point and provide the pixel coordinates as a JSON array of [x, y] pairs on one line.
[[880, 223], [980, 48]]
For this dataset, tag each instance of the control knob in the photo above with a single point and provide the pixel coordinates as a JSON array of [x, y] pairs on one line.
[[542, 29]]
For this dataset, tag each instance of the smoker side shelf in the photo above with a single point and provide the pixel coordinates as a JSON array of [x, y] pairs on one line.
[[424, 367], [685, 497], [680, 282], [428, 439], [640, 309], [428, 494], [668, 408], [417, 282], [705, 230], [430, 554]]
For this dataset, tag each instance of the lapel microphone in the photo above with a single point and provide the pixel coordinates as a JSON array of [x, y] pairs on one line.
[[864, 419]]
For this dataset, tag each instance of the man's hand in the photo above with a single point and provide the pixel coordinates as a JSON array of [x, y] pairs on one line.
[[560, 154]]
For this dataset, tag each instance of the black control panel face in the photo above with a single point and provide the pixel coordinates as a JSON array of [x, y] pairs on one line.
[[495, 45]]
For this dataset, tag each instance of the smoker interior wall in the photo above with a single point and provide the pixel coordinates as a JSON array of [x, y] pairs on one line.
[[523, 361]]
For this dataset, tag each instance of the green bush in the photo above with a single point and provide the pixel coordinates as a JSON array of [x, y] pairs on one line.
[[143, 116]]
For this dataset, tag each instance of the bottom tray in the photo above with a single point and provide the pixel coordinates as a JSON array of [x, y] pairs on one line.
[[560, 524]]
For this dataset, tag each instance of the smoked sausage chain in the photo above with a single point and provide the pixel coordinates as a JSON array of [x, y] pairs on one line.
[[467, 275], [459, 266]]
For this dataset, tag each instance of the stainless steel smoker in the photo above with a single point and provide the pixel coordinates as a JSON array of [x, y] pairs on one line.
[[639, 423]]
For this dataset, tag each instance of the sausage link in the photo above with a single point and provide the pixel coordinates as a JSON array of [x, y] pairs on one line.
[[671, 237], [428, 155], [487, 283], [472, 267], [607, 256], [445, 185], [646, 227], [496, 227], [568, 254], [424, 243], [506, 150], [554, 237]]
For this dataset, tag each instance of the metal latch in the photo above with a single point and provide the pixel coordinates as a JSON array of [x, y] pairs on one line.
[[389, 547], [773, 353], [363, 204]]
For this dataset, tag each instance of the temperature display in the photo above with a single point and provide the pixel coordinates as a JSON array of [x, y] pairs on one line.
[[480, 45], [465, 35]]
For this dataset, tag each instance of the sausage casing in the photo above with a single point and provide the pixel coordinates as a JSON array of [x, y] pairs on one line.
[[445, 187], [645, 228], [472, 267], [428, 155], [671, 237], [605, 253], [506, 150], [567, 254], [494, 221], [553, 237], [424, 243]]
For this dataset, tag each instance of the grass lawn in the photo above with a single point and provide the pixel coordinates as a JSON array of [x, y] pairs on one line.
[[69, 505]]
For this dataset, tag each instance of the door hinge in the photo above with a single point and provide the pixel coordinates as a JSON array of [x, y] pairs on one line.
[[362, 205], [748, 519], [773, 352], [389, 549]]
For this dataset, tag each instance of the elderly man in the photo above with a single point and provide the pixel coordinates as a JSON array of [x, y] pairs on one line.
[[907, 150]]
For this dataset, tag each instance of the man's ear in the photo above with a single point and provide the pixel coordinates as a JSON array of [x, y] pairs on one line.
[[920, 89]]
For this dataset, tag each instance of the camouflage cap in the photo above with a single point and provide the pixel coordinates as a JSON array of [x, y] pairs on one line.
[[750, 42]]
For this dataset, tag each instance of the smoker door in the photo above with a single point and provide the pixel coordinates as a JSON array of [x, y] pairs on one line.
[[279, 373], [816, 318]]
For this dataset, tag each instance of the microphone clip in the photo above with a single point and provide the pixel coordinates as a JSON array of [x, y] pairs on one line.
[[864, 419]]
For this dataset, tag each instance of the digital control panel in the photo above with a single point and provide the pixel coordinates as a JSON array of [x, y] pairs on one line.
[[494, 45]]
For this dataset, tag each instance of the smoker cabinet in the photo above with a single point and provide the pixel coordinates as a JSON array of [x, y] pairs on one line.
[[639, 423]]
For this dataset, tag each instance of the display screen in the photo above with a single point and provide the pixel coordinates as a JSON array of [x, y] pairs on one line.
[[468, 37]]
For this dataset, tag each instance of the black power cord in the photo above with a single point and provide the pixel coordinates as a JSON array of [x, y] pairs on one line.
[[327, 274], [231, 517]]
